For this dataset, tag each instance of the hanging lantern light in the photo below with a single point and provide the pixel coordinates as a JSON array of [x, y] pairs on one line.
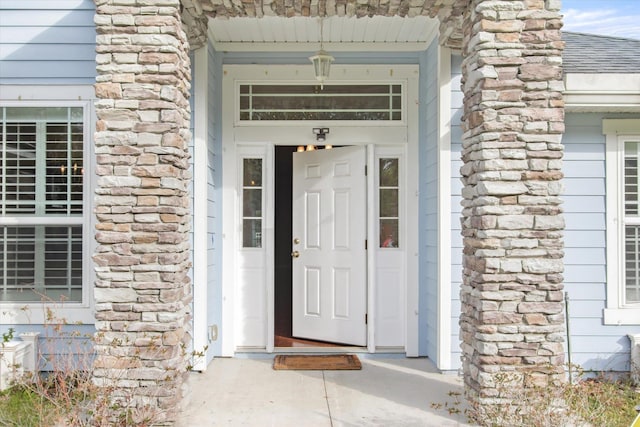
[[321, 60], [321, 66]]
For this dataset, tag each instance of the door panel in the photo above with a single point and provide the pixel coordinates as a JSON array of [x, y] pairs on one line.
[[329, 264], [312, 224], [312, 292]]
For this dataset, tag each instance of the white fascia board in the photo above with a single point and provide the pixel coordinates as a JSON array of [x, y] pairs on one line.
[[602, 92]]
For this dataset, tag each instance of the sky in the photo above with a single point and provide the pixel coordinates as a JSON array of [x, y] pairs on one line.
[[618, 18]]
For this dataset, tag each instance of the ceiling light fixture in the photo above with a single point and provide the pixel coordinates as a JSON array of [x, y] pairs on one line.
[[321, 60]]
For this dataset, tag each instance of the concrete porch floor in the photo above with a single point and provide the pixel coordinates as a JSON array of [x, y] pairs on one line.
[[386, 392]]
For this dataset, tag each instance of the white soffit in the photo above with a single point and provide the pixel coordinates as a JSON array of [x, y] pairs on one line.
[[302, 34], [606, 92]]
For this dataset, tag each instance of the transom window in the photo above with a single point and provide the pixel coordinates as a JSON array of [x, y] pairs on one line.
[[266, 102], [41, 203]]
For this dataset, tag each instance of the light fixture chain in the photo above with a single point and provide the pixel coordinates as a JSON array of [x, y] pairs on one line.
[[321, 32]]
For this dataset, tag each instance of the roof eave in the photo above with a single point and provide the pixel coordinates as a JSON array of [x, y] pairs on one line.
[[602, 92]]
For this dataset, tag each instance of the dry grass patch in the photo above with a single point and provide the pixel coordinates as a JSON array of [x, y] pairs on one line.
[[601, 400]]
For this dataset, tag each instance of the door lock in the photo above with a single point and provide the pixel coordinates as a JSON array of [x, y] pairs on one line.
[[296, 241], [295, 254]]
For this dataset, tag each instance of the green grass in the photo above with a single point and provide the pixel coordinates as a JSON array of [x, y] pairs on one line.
[[21, 407]]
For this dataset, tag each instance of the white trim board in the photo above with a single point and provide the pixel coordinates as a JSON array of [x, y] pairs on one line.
[[237, 134], [602, 92], [444, 209], [199, 212]]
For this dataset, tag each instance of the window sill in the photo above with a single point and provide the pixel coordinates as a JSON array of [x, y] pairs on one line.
[[37, 313], [622, 316]]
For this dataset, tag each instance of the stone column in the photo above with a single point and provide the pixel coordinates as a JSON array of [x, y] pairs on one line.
[[142, 291], [512, 319]]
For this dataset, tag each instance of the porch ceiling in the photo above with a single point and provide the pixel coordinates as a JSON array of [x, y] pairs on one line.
[[338, 34], [230, 23]]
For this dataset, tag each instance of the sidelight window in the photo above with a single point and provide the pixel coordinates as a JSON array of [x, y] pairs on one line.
[[252, 203], [388, 189]]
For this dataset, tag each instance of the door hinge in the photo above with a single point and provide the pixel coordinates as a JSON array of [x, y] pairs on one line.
[[366, 244], [365, 170], [366, 319]]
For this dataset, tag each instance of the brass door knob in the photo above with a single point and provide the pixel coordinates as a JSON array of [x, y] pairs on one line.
[[295, 254]]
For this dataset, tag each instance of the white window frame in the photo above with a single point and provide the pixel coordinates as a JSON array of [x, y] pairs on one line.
[[60, 96], [617, 132]]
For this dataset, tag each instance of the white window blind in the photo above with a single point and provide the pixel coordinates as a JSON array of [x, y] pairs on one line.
[[631, 223], [41, 204]]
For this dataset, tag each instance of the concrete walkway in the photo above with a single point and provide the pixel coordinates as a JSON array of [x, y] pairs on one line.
[[386, 392]]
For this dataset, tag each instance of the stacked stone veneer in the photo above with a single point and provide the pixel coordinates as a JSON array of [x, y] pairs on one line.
[[449, 12], [512, 301], [512, 317], [142, 292]]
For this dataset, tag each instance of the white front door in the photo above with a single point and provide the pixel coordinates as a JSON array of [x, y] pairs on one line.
[[328, 248]]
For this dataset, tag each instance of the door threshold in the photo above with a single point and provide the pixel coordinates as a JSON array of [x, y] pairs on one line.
[[316, 350]]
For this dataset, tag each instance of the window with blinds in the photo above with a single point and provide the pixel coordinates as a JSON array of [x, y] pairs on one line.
[[41, 203], [270, 102], [631, 222]]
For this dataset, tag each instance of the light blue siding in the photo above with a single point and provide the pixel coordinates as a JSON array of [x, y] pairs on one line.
[[214, 197], [47, 42], [50, 42], [428, 204], [456, 207], [60, 346], [593, 345]]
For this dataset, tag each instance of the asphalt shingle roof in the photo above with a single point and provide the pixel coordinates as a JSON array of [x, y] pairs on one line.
[[591, 53]]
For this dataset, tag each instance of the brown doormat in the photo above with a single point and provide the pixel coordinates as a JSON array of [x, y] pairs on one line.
[[325, 362]]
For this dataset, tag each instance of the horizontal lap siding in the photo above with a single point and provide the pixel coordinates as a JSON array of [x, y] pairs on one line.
[[47, 42], [60, 346], [428, 208], [214, 196], [593, 344], [456, 207]]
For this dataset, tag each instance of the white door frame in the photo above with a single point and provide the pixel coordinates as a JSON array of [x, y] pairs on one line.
[[266, 136]]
